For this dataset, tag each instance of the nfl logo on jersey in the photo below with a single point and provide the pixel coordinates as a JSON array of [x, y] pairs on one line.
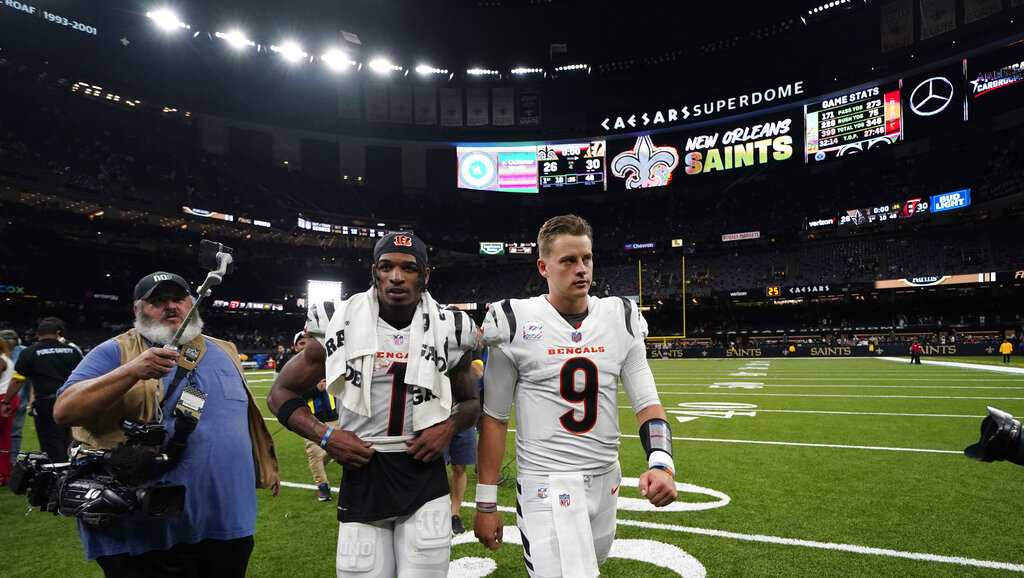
[[563, 500], [577, 337], [542, 493]]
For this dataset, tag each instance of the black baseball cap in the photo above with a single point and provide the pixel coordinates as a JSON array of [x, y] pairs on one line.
[[401, 242], [145, 287]]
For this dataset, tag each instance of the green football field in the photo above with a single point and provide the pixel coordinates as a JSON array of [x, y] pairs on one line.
[[788, 467]]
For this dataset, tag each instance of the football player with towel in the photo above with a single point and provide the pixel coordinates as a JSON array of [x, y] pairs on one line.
[[395, 361], [559, 358]]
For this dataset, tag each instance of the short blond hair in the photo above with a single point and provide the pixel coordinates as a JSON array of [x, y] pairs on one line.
[[562, 225]]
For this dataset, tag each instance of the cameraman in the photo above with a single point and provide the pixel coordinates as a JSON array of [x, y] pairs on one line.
[[227, 456]]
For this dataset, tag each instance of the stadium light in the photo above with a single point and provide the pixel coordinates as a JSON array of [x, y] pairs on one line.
[[426, 69], [166, 20], [235, 39], [337, 60], [289, 50], [382, 65], [570, 67], [521, 71], [482, 72]]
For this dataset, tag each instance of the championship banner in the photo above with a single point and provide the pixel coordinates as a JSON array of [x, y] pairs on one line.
[[477, 107], [503, 107], [975, 10], [897, 24], [451, 106], [376, 102], [529, 108], [400, 109], [937, 17], [425, 98], [349, 102]]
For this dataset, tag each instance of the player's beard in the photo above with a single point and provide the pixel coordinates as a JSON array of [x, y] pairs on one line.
[[157, 332]]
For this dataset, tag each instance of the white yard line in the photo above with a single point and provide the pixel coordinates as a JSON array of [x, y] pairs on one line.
[[776, 443], [960, 364], [823, 412], [778, 540], [810, 445], [716, 393], [859, 376], [844, 385]]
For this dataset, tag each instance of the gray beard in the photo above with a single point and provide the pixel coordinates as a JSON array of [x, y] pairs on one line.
[[158, 333]]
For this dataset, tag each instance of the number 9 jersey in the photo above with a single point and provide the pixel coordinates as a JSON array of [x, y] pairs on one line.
[[564, 380]]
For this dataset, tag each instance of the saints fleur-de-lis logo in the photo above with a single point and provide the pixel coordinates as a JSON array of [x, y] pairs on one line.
[[646, 165]]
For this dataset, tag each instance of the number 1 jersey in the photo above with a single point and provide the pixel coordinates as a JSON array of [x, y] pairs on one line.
[[565, 380]]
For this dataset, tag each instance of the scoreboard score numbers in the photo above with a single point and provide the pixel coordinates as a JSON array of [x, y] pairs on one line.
[[566, 165], [773, 291]]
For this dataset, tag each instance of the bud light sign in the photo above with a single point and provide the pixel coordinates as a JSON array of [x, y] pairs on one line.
[[951, 201]]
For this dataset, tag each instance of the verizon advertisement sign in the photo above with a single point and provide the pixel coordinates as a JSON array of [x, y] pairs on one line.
[[741, 236]]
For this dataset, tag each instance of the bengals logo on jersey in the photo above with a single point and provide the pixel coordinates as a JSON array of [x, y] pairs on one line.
[[403, 241]]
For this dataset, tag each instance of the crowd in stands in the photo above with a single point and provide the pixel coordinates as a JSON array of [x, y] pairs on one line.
[[141, 164]]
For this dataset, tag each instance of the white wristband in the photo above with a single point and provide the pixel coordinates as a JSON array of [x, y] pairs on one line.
[[661, 459], [487, 493]]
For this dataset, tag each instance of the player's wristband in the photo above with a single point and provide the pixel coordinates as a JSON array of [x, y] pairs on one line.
[[659, 460], [486, 498], [326, 437]]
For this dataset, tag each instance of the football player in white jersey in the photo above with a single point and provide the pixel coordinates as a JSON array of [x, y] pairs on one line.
[[394, 504], [558, 357]]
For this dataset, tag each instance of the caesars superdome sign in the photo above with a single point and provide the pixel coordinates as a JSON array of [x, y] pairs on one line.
[[702, 110]]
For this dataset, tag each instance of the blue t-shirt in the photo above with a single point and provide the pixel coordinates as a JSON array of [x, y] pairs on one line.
[[216, 468]]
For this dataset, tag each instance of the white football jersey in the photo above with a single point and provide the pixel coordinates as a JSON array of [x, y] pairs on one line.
[[391, 399], [567, 417]]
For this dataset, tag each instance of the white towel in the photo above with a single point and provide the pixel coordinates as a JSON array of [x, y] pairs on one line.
[[351, 342]]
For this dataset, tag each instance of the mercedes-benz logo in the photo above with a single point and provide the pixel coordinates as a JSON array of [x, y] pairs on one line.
[[931, 96]]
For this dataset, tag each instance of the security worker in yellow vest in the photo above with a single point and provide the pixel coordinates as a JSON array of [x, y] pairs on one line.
[[1006, 349]]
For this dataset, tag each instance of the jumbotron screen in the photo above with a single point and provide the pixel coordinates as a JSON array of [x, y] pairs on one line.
[[506, 168], [568, 165], [853, 122]]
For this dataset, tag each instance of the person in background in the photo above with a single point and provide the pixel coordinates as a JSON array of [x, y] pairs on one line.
[[12, 339], [461, 453], [47, 363], [8, 407], [915, 353], [281, 357], [1006, 350]]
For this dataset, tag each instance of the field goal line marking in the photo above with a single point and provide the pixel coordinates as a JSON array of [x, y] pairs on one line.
[[764, 539]]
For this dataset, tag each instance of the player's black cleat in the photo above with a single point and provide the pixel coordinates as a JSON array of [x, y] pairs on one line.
[[323, 493]]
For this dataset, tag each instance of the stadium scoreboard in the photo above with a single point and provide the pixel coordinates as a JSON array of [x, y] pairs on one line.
[[853, 122], [566, 165]]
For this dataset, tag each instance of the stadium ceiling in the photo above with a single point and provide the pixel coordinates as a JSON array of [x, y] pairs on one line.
[[499, 35]]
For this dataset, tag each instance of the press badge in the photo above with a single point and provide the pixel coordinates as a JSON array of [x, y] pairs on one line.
[[191, 402]]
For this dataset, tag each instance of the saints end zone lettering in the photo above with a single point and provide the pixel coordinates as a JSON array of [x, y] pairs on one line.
[[831, 352], [939, 350], [749, 352]]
